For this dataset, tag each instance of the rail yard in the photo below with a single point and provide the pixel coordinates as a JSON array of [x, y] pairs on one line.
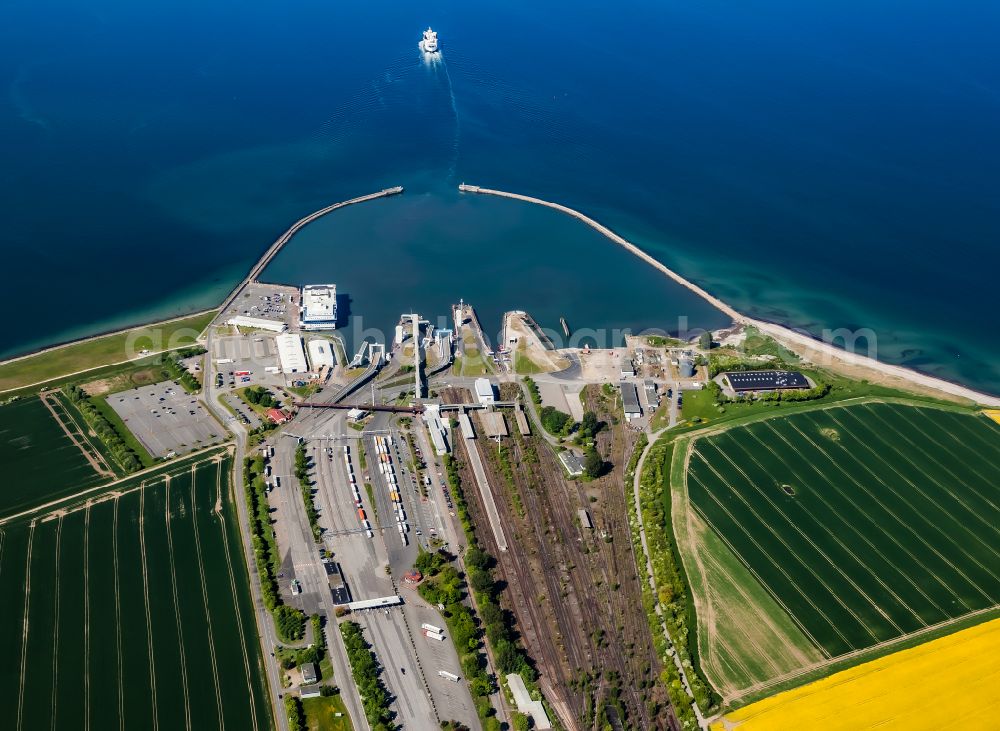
[[441, 530]]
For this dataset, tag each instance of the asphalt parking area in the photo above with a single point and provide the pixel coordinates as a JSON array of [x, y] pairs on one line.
[[166, 419]]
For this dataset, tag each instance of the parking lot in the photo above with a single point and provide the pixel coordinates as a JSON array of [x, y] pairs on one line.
[[166, 419], [243, 412], [251, 354], [259, 349], [267, 301]]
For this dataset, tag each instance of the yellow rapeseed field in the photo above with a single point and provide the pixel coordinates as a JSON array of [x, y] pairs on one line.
[[949, 683], [993, 414]]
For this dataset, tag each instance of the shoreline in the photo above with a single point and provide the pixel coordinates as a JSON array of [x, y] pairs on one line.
[[781, 333], [104, 334], [269, 253]]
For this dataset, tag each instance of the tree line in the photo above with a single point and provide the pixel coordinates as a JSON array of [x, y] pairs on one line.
[[176, 371], [105, 430], [288, 621], [365, 670], [673, 594], [496, 624], [305, 485]]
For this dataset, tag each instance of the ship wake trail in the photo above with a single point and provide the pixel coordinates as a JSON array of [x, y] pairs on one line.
[[458, 127]]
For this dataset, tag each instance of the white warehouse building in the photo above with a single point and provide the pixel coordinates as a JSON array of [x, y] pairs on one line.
[[320, 354], [290, 353], [484, 392]]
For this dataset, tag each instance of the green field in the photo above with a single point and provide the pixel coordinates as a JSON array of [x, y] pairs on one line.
[[132, 611], [321, 714], [699, 404], [40, 462], [101, 351], [860, 524], [470, 363]]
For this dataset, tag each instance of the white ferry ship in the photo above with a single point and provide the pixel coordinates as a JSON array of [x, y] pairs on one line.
[[429, 44]]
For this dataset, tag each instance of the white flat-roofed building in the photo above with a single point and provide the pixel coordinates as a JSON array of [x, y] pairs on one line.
[[257, 323], [466, 424], [319, 307], [435, 427], [321, 354], [290, 353], [484, 392], [385, 601]]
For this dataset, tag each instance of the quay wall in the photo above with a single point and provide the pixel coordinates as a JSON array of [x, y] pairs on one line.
[[274, 248]]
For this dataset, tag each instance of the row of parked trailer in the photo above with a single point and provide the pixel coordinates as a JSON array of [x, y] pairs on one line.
[[432, 631], [365, 524], [382, 445]]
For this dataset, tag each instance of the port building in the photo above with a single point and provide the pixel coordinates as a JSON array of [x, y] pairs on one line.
[[435, 427], [522, 422], [484, 392], [278, 416], [758, 381], [630, 400], [572, 462], [652, 397], [321, 354], [291, 356], [319, 307], [495, 424], [466, 424]]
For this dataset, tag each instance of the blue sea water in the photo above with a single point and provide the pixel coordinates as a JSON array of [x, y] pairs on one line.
[[824, 165]]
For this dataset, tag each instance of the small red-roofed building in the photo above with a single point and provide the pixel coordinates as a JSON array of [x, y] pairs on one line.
[[277, 416]]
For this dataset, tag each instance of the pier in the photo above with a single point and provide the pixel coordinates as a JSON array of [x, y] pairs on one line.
[[780, 332], [487, 348], [621, 241], [273, 250]]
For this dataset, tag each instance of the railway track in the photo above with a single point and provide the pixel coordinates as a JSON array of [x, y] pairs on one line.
[[576, 597]]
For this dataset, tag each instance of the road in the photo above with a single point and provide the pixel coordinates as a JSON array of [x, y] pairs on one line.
[[265, 625], [650, 576], [411, 661], [422, 697]]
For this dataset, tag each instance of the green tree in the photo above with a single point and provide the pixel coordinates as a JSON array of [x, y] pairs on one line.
[[705, 340], [553, 420], [290, 623], [590, 425], [593, 465], [296, 714]]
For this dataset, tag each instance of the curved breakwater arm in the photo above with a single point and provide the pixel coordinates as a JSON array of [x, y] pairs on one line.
[[819, 350]]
